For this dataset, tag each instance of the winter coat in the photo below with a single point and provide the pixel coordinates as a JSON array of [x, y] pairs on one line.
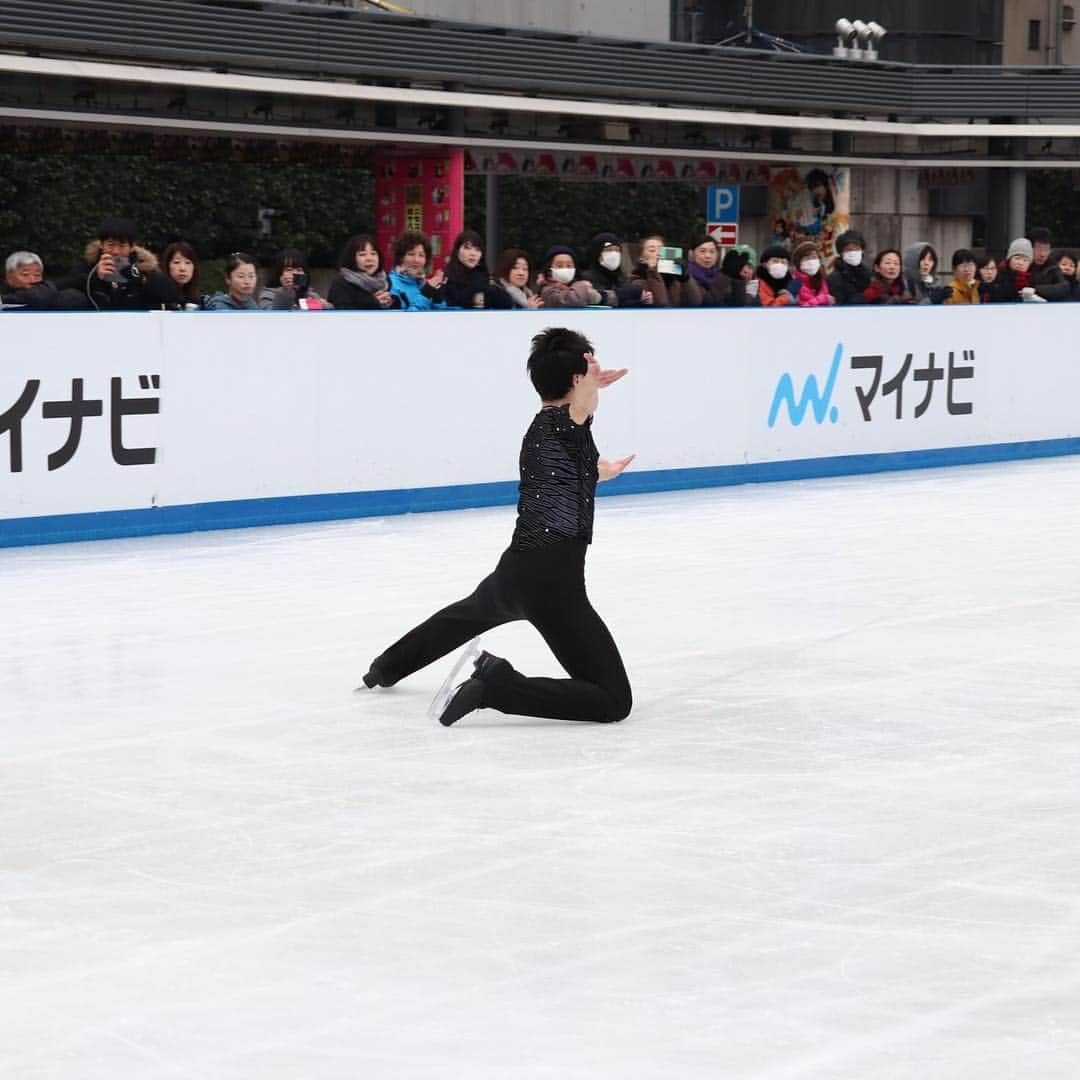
[[45, 296], [848, 284], [284, 298], [963, 292], [150, 291], [347, 296], [809, 294], [578, 294], [666, 289], [518, 297], [1049, 282], [414, 294], [224, 302], [880, 291], [773, 292], [463, 285]]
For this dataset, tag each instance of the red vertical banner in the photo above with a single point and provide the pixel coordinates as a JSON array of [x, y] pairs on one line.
[[420, 193]]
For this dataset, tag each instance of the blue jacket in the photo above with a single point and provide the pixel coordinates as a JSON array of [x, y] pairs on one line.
[[414, 295], [224, 302]]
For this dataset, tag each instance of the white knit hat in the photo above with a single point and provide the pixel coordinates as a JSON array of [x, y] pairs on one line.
[[1020, 246]]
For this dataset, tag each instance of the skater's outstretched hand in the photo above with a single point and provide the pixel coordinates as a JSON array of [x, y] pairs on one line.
[[600, 376], [608, 469]]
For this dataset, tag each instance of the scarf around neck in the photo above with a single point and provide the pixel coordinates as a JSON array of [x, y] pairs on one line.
[[704, 275], [519, 296], [372, 283]]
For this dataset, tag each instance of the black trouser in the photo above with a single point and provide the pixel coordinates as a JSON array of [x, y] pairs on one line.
[[546, 587]]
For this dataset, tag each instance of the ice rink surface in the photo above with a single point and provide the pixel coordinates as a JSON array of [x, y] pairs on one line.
[[838, 837]]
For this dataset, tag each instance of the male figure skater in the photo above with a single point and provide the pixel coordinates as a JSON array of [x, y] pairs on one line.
[[541, 576]]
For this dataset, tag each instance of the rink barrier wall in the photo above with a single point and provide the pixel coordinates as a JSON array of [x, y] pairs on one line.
[[287, 418]]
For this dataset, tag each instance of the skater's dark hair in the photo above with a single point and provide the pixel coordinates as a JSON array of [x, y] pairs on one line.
[[557, 355]]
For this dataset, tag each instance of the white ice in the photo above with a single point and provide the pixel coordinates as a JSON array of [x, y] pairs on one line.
[[838, 837]]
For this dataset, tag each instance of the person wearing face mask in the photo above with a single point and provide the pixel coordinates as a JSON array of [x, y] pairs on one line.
[[813, 292], [850, 276], [512, 273], [775, 282], [468, 282], [920, 263], [118, 275], [605, 274], [559, 283], [965, 282], [361, 284]]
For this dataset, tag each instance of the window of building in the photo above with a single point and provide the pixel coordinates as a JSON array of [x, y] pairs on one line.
[[1034, 33]]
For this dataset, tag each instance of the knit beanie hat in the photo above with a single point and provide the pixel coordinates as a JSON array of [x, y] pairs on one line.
[[850, 238], [557, 249], [1020, 246], [775, 251]]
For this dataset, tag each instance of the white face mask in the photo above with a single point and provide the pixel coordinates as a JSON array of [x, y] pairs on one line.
[[565, 274], [853, 257], [778, 270], [611, 260], [810, 267]]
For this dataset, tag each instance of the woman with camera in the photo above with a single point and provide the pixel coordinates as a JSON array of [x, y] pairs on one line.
[[289, 288]]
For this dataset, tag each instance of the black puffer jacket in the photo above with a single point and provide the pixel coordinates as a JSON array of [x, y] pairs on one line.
[[463, 284], [148, 290], [848, 283]]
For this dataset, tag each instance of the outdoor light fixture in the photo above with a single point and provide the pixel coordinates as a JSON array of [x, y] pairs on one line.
[[857, 40]]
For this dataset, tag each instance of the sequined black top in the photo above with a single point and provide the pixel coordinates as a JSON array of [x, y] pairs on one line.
[[558, 481]]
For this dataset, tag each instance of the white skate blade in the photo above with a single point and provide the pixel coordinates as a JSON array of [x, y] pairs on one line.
[[468, 656]]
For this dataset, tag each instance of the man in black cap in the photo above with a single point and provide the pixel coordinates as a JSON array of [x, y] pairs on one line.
[[118, 275], [850, 276]]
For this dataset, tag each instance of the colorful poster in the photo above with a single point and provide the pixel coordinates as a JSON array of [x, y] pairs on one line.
[[810, 204], [424, 194]]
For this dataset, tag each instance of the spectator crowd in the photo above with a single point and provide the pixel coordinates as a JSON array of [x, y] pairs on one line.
[[118, 274]]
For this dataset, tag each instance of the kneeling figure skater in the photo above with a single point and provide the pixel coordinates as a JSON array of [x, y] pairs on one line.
[[541, 576]]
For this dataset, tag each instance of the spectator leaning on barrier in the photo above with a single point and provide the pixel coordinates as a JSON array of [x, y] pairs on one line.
[[118, 275], [850, 276], [558, 282], [361, 284], [987, 269], [887, 284], [289, 288], [1066, 260], [706, 284], [1014, 278], [920, 263], [1046, 278], [468, 281], [409, 280], [241, 277], [182, 266], [665, 288], [775, 283], [512, 273], [813, 292], [965, 284], [604, 273], [26, 290]]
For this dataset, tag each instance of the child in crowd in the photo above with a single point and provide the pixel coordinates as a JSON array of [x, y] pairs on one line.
[[558, 281], [241, 277], [964, 285], [468, 282], [410, 283], [987, 268], [775, 285], [887, 284], [812, 292]]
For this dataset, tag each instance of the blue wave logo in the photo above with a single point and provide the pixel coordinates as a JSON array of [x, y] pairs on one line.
[[811, 397]]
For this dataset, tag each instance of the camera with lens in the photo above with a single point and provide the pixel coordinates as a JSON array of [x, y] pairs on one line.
[[126, 275]]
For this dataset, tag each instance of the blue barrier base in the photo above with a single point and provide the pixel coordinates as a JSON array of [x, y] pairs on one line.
[[286, 510]]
